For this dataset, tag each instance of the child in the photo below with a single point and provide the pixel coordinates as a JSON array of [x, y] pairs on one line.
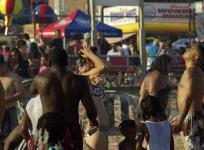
[[43, 64], [51, 131], [128, 130], [156, 129]]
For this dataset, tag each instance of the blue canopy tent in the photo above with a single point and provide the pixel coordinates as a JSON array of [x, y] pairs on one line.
[[78, 23]]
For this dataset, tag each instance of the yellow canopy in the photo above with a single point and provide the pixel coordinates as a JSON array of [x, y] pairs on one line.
[[156, 27]]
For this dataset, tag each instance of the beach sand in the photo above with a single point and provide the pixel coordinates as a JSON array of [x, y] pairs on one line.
[[115, 135]]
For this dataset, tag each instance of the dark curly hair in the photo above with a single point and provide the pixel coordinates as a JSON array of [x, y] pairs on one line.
[[151, 106], [54, 123], [125, 125], [58, 57], [161, 63]]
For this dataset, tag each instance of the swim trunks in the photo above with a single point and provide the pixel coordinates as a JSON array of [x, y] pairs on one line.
[[194, 130]]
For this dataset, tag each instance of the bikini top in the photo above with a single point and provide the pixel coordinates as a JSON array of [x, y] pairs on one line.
[[97, 90]]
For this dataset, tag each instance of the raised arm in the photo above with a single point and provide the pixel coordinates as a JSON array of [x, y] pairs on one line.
[[99, 65], [88, 103]]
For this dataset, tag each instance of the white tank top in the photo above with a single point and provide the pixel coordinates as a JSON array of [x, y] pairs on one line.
[[34, 110], [160, 136]]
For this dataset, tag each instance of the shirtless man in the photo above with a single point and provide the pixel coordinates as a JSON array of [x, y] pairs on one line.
[[189, 99], [13, 92], [75, 88]]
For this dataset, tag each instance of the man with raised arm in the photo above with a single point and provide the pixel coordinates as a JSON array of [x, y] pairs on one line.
[[75, 88], [189, 98]]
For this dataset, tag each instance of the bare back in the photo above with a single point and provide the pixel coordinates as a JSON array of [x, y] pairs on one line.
[[191, 88], [49, 87], [152, 83], [76, 88]]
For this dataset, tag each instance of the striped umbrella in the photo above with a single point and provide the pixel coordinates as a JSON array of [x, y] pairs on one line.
[[44, 14]]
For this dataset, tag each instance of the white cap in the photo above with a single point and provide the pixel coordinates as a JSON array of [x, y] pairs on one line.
[[87, 35]]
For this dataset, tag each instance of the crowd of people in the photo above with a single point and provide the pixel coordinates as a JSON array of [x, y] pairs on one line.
[[51, 117], [55, 96]]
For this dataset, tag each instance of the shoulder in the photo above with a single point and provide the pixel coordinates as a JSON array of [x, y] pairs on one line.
[[191, 73], [154, 77], [14, 76]]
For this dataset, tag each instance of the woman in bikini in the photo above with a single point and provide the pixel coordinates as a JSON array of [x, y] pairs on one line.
[[93, 69]]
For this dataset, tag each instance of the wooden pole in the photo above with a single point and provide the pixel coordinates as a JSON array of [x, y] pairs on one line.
[[142, 38]]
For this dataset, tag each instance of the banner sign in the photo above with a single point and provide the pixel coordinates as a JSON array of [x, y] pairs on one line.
[[117, 2], [114, 15], [166, 12], [153, 12]]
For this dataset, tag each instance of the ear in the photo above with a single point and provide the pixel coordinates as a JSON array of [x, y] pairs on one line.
[[195, 58]]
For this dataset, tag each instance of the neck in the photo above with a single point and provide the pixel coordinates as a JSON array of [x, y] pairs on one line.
[[155, 119], [130, 139], [190, 64], [58, 70]]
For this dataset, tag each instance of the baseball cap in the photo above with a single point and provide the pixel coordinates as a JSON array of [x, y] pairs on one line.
[[87, 35]]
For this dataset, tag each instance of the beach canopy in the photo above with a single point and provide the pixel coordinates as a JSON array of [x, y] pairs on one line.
[[78, 23], [180, 43]]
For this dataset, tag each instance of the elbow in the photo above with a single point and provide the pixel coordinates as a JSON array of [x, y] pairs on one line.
[[106, 67], [102, 68]]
